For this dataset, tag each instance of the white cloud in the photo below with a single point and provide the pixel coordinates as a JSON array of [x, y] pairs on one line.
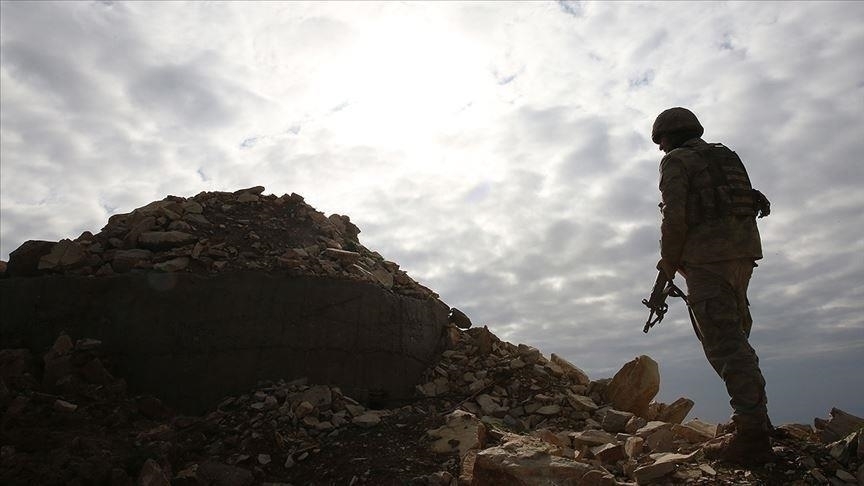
[[499, 151]]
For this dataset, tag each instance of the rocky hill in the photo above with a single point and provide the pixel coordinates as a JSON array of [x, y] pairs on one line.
[[198, 298], [479, 411], [215, 232]]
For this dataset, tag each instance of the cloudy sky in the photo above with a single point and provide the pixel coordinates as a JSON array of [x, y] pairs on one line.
[[500, 152]]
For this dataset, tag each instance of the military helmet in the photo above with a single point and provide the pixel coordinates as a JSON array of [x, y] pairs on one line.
[[676, 120]]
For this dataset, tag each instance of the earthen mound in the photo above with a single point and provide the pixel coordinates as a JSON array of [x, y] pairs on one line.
[[197, 298]]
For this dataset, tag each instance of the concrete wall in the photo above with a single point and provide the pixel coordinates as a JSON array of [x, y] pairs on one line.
[[192, 339]]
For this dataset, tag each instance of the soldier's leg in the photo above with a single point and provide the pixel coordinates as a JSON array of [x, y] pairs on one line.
[[722, 318]]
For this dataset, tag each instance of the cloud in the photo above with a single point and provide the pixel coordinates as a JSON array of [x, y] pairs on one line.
[[180, 96], [501, 155]]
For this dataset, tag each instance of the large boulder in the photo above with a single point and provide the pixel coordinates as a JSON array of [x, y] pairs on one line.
[[24, 260], [634, 386]]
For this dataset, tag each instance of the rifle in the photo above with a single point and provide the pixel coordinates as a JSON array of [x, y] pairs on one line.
[[663, 288]]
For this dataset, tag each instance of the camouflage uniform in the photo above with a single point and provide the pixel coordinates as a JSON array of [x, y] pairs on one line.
[[715, 248]]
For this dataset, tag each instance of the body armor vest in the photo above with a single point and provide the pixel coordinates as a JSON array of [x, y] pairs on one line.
[[726, 192]]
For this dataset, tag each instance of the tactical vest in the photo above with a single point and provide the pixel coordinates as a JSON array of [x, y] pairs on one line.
[[726, 192]]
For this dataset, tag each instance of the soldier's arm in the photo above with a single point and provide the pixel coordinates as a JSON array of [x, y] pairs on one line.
[[673, 191]]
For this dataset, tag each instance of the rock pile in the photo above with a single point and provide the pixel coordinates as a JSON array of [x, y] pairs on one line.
[[526, 419], [488, 412], [215, 232], [66, 418]]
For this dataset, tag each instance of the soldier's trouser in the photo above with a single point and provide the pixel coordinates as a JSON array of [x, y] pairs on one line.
[[718, 297]]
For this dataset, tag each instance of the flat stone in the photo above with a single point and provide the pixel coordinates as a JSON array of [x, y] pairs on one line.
[[549, 410], [158, 240], [180, 226], [87, 344], [525, 461], [694, 431], [592, 438], [247, 197], [192, 207], [581, 403], [560, 439], [798, 431], [609, 453], [661, 440], [673, 458], [198, 219], [368, 419], [651, 472], [652, 427], [676, 412], [615, 420], [462, 431], [529, 354], [490, 406], [354, 409], [341, 255], [63, 406], [251, 190], [571, 370], [384, 277]]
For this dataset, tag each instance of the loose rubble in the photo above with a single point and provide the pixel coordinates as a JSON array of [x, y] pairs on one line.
[[217, 232], [488, 412]]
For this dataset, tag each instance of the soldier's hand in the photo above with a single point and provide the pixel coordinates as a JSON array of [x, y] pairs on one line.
[[668, 268]]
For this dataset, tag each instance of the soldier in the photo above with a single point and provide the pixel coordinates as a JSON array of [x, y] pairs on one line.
[[709, 236]]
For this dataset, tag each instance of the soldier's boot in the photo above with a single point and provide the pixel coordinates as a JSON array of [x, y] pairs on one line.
[[749, 444], [746, 448], [729, 428]]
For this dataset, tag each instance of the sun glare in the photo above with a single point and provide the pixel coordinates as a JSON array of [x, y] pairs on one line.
[[407, 79]]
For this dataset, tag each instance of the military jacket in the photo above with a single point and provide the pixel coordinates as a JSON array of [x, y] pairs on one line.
[[687, 236]]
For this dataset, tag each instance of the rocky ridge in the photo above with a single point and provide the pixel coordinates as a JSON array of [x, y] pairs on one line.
[[488, 412], [215, 232]]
